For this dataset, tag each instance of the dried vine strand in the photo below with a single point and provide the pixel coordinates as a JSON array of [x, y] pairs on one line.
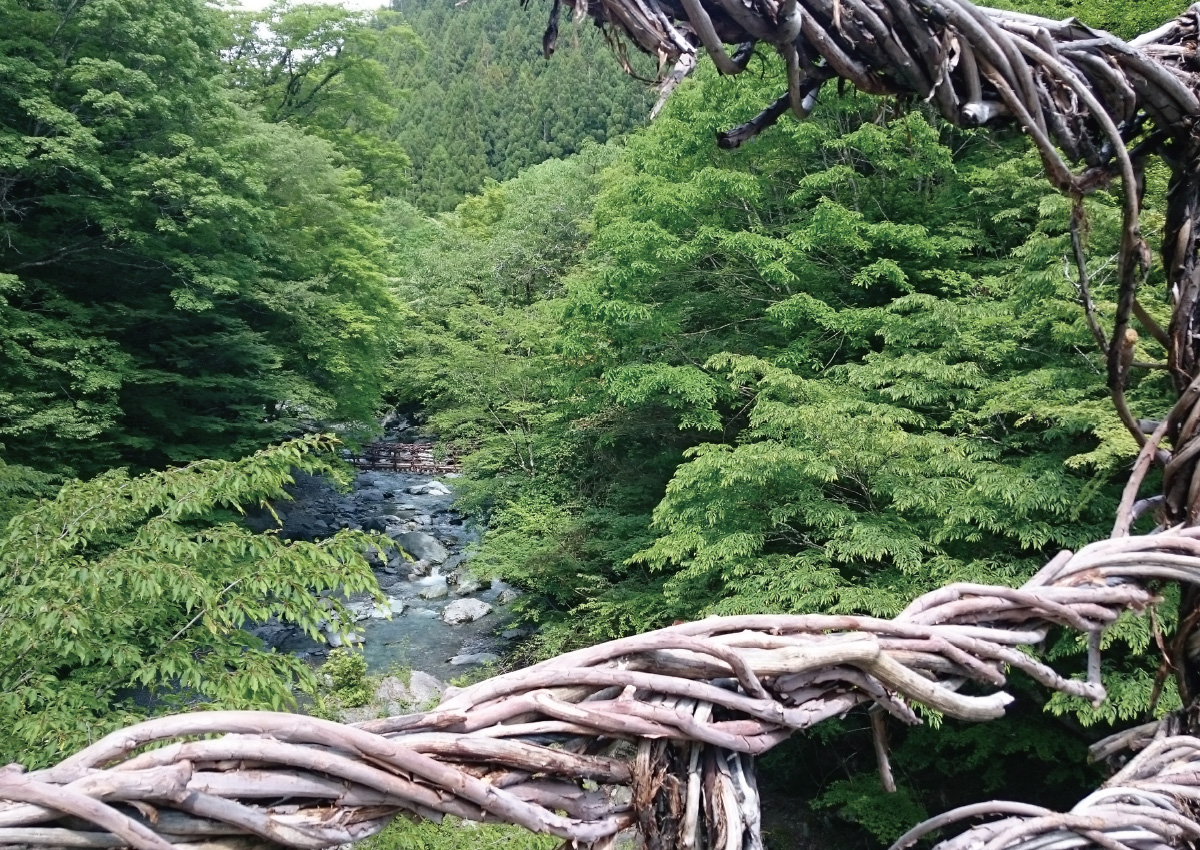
[[1149, 805]]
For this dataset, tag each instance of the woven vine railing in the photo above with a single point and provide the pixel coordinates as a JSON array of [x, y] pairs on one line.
[[659, 732]]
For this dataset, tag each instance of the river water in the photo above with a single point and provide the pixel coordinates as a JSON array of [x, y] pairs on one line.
[[415, 636]]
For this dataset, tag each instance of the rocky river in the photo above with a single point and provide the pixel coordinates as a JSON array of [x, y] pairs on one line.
[[440, 616]]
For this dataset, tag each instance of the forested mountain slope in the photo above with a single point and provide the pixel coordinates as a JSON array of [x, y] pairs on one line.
[[484, 103]]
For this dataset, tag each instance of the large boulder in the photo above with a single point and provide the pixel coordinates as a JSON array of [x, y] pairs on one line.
[[437, 590], [422, 546], [303, 524], [474, 658], [465, 611], [433, 488], [465, 581]]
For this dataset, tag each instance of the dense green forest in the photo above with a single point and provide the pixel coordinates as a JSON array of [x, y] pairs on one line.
[[482, 103], [830, 370]]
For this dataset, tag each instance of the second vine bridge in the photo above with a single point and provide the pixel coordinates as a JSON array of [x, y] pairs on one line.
[[418, 458]]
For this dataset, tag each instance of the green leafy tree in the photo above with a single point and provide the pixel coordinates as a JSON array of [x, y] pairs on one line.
[[329, 70], [826, 372], [178, 277], [125, 595]]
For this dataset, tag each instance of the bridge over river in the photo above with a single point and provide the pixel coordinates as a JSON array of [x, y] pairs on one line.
[[418, 458]]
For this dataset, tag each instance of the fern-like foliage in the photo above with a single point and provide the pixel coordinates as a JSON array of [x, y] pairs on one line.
[[124, 595]]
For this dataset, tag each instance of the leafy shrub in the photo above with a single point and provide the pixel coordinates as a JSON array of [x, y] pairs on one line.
[[347, 677], [860, 799], [122, 596], [456, 834]]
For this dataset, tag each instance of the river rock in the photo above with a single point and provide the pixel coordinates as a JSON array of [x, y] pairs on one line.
[[465, 611], [302, 524], [435, 591], [423, 546], [475, 658], [433, 488], [336, 639], [418, 569], [508, 596], [465, 581], [382, 523]]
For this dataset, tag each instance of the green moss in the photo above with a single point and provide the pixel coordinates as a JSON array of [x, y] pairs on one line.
[[456, 834]]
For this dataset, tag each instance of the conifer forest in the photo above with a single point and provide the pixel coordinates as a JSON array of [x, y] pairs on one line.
[[604, 423]]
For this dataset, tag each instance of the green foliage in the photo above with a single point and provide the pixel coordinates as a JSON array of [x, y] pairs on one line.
[[863, 353], [486, 283], [348, 672], [483, 103], [127, 595], [329, 70], [178, 277], [455, 834], [342, 683], [19, 485], [826, 372], [884, 816]]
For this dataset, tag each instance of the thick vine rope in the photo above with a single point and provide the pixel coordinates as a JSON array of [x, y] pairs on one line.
[[1149, 805], [659, 731]]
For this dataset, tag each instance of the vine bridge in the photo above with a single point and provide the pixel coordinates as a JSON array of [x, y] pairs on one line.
[[418, 458]]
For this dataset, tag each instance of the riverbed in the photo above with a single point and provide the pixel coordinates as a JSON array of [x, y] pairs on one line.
[[440, 616]]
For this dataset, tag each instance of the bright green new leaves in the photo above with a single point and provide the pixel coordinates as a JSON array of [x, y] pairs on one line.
[[486, 283], [902, 391], [127, 592], [331, 71]]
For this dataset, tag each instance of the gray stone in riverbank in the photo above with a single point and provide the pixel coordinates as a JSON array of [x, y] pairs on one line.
[[400, 694], [422, 546], [465, 611]]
